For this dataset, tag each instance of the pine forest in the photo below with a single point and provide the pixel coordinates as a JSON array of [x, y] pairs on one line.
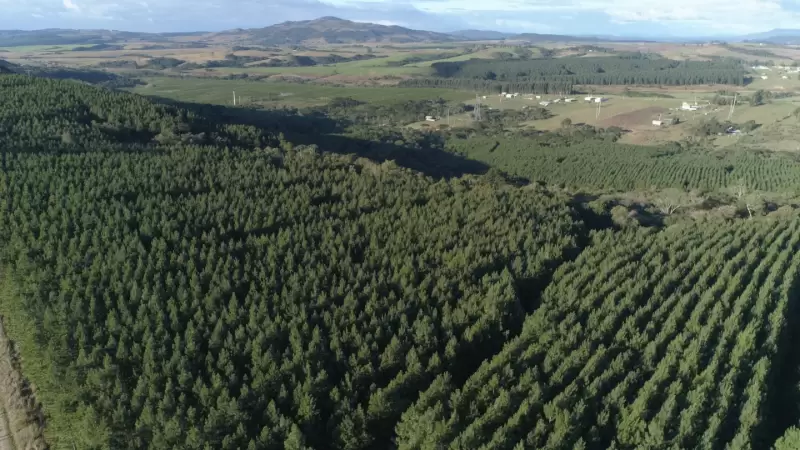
[[182, 277]]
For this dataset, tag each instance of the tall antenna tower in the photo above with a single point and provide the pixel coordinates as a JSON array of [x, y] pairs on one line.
[[234, 98]]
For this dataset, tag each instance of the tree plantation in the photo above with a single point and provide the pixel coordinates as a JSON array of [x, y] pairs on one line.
[[606, 70], [592, 160], [174, 280]]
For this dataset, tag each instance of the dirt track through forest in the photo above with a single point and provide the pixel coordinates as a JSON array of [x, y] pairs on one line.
[[21, 417], [21, 420]]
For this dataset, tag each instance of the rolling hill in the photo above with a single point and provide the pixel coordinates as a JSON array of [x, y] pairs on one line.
[[7, 67], [780, 36], [334, 30], [57, 36]]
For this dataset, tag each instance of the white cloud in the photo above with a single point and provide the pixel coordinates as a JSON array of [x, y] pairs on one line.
[[745, 15], [527, 26], [69, 4], [543, 16]]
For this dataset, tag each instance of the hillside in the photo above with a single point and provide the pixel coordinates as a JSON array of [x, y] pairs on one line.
[[334, 31], [7, 67], [198, 277], [777, 36], [56, 37]]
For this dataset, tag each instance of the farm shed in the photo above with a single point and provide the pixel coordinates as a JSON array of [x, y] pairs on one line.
[[658, 123]]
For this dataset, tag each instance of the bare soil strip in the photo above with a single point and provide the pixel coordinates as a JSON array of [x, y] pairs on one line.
[[21, 417]]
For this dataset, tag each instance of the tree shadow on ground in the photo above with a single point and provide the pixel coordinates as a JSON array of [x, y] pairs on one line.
[[327, 134]]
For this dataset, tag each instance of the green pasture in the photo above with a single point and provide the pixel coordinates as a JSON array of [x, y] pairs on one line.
[[43, 48], [217, 91], [366, 68]]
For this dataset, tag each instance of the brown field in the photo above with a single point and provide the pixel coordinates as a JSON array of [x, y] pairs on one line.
[[635, 119]]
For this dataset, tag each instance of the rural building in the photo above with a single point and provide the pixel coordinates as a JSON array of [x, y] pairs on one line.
[[538, 97], [558, 100], [658, 123], [600, 100], [430, 119], [544, 103], [509, 96], [785, 77], [764, 77], [589, 99], [569, 100], [687, 107]]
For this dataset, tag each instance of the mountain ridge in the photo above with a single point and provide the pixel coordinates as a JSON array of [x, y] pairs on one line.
[[335, 30]]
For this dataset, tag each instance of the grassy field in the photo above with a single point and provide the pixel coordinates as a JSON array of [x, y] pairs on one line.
[[217, 91], [635, 114], [42, 48]]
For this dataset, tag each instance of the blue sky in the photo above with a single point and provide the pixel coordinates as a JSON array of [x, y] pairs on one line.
[[612, 17]]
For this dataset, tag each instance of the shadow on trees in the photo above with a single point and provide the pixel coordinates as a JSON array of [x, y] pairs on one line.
[[783, 397], [329, 136]]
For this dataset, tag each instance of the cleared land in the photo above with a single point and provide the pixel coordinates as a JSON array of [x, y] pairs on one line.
[[636, 115]]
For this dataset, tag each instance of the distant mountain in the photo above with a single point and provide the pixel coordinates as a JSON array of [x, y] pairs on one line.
[[334, 30], [534, 37], [481, 35], [776, 36], [56, 36]]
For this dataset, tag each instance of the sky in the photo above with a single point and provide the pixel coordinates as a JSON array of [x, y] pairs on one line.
[[643, 18]]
